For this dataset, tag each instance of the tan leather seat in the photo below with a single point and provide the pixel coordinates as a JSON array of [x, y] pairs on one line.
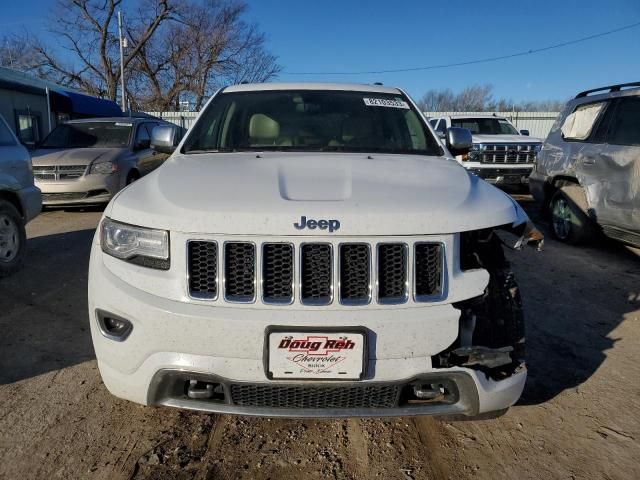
[[264, 130]]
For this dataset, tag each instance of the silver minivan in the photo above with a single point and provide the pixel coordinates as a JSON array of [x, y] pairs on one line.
[[88, 161], [588, 172], [20, 199]]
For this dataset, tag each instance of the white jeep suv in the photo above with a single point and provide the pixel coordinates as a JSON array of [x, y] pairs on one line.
[[500, 154], [309, 250]]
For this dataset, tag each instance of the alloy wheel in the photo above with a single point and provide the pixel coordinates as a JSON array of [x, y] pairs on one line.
[[561, 218]]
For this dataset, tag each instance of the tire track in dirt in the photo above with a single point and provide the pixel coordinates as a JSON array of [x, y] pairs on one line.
[[432, 436], [214, 441], [357, 449]]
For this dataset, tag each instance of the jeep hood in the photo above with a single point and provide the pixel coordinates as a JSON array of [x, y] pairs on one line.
[[266, 193], [74, 156], [505, 139]]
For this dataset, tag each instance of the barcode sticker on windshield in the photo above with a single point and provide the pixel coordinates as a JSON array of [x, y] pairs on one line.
[[385, 102], [118, 124]]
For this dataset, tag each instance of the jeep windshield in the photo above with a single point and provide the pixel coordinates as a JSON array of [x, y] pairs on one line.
[[485, 126], [89, 135], [318, 121]]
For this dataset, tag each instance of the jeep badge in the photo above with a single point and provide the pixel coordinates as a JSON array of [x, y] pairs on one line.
[[311, 224]]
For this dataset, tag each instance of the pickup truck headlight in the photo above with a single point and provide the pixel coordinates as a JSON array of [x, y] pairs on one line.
[[142, 246], [473, 154], [103, 168]]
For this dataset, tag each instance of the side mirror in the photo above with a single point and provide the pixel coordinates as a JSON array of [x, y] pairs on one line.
[[163, 138], [142, 145], [524, 132], [459, 140]]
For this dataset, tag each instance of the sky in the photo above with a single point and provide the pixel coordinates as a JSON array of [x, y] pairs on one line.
[[349, 36]]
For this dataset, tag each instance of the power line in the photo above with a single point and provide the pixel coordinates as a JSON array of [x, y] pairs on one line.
[[481, 60]]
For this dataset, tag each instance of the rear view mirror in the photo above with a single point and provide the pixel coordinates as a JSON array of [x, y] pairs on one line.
[[524, 132], [163, 138], [459, 140]]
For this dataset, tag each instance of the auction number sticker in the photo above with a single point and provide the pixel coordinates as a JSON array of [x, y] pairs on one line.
[[385, 102]]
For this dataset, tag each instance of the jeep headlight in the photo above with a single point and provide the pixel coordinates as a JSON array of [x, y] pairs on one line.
[[142, 246], [103, 168]]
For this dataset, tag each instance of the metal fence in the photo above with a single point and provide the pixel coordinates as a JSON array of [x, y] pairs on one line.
[[538, 123], [182, 119]]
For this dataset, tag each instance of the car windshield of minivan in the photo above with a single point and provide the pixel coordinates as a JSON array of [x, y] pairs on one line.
[[485, 126], [89, 135], [325, 121]]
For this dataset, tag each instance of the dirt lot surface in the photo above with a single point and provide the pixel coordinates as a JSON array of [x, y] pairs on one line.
[[579, 416]]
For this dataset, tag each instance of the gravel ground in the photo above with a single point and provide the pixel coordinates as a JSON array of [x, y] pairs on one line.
[[578, 417]]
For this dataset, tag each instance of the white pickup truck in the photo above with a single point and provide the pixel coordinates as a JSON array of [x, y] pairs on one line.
[[310, 250], [500, 154]]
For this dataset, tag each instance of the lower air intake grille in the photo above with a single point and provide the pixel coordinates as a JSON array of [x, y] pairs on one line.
[[277, 273], [285, 396], [392, 273], [240, 271], [203, 269], [63, 197], [355, 279], [316, 274], [428, 269]]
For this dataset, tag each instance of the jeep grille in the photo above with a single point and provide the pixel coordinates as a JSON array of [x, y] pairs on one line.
[[277, 273], [203, 270], [285, 272], [239, 271]]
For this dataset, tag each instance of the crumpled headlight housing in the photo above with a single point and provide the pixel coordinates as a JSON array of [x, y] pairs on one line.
[[139, 245], [103, 168]]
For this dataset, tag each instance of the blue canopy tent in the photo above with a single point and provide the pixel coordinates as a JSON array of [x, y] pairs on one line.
[[78, 104]]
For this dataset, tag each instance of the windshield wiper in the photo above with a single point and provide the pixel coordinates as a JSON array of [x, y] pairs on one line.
[[211, 150]]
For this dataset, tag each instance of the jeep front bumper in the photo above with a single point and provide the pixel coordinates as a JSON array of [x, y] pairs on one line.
[[173, 343]]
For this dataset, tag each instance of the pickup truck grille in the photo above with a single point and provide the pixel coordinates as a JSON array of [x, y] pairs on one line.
[[504, 153], [58, 172], [313, 273]]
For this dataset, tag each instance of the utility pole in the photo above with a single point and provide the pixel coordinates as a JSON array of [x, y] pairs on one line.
[[124, 100]]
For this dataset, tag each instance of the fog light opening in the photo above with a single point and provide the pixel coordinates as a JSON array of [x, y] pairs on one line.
[[422, 392], [114, 327], [199, 390]]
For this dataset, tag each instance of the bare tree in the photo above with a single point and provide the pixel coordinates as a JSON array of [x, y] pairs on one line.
[[16, 52], [210, 46], [437, 101], [479, 98], [86, 29], [474, 98]]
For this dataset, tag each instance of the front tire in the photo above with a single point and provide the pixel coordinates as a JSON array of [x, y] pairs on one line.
[[13, 239], [568, 223]]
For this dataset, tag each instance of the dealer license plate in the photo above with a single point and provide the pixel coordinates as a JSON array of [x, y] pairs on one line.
[[310, 355]]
